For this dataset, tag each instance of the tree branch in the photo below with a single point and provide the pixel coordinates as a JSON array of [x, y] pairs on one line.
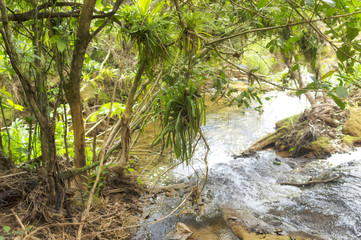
[[111, 14], [279, 27]]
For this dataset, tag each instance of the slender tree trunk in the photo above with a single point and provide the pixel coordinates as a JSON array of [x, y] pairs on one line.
[[296, 75], [72, 85], [41, 88], [125, 134], [54, 185]]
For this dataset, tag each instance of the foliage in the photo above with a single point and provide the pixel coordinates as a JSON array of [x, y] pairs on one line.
[[182, 114], [10, 232], [184, 45], [117, 109], [150, 30]]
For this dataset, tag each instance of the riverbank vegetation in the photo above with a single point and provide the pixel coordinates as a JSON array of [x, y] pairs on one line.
[[81, 80]]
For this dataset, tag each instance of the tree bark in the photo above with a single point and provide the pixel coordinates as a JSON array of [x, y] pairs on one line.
[[72, 85], [297, 76], [125, 134], [54, 185], [41, 90]]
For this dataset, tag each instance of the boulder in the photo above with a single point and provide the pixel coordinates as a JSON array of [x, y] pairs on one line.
[[352, 125]]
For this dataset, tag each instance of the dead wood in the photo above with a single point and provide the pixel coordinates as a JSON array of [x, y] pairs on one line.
[[311, 182]]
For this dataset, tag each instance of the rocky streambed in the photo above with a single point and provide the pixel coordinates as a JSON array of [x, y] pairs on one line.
[[258, 196]]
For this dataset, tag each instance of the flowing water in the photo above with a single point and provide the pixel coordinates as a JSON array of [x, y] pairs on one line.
[[250, 186]]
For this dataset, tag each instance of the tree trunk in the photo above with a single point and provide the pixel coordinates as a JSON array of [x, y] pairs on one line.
[[296, 75], [54, 185], [41, 91], [125, 134], [72, 86]]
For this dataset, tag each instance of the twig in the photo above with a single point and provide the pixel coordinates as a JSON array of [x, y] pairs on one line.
[[51, 225], [13, 174], [19, 221], [205, 159], [310, 182], [7, 131]]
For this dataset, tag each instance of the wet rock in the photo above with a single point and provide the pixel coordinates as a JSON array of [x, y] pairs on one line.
[[245, 154], [182, 232], [277, 162], [353, 123]]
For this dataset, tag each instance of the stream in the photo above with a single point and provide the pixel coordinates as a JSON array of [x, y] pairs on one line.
[[249, 186]]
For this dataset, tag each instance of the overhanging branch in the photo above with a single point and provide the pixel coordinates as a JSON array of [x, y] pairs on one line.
[[27, 16]]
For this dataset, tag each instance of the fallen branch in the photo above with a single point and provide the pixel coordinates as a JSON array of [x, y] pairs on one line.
[[19, 221], [12, 175], [310, 182]]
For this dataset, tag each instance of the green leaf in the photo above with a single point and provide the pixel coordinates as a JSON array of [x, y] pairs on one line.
[[93, 117], [341, 91], [7, 229], [98, 23], [338, 102], [158, 8], [261, 3], [99, 5], [351, 33], [330, 73], [143, 6], [343, 53], [357, 47], [2, 238], [54, 39], [295, 67], [356, 3], [11, 103], [293, 39], [61, 44], [140, 181]]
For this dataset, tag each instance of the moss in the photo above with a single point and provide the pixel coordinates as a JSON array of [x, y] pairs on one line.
[[321, 147], [286, 122], [349, 139], [299, 135], [321, 142]]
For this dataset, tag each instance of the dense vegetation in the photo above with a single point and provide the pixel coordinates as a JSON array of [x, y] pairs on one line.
[[74, 72]]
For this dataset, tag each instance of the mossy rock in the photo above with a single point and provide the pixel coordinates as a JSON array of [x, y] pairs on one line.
[[321, 147], [350, 140], [352, 125], [286, 122]]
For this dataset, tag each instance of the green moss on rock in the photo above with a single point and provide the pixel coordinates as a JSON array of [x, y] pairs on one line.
[[286, 122], [321, 147]]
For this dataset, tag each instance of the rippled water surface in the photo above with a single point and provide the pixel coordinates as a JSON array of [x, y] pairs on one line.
[[329, 211]]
